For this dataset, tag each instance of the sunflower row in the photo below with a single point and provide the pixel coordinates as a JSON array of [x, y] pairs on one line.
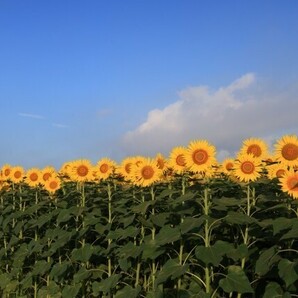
[[198, 159]]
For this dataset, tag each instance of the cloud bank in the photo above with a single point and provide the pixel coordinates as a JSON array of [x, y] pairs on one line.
[[225, 117]]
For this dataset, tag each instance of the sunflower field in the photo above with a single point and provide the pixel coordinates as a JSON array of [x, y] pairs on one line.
[[184, 225]]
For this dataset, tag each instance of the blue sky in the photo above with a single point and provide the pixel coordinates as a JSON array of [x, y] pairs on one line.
[[90, 79]]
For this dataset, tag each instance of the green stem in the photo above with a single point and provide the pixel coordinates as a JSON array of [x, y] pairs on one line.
[[153, 272], [206, 238], [181, 240], [250, 200], [110, 222]]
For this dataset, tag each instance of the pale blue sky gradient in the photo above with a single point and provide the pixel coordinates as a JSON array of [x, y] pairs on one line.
[[79, 78]]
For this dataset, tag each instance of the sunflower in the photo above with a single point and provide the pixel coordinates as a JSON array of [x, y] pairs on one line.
[[6, 171], [81, 170], [200, 156], [286, 150], [104, 168], [177, 159], [17, 174], [125, 169], [146, 173], [276, 170], [289, 183], [257, 147], [161, 162], [47, 173], [227, 166], [52, 184], [247, 168], [33, 177]]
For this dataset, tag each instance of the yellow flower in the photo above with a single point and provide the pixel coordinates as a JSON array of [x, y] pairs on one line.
[[177, 159], [6, 171], [104, 168], [52, 184], [247, 168], [33, 177], [146, 173], [125, 169], [81, 170], [47, 173], [276, 170], [200, 156], [286, 150], [17, 174], [161, 162], [289, 183], [257, 147], [227, 166]]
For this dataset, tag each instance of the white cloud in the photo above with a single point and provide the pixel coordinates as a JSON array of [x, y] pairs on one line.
[[225, 117], [34, 116]]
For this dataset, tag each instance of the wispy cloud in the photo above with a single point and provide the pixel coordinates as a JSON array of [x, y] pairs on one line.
[[59, 125], [103, 113], [33, 116], [225, 117]]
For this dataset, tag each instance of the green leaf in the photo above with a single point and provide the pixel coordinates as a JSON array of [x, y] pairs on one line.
[[208, 255], [128, 291], [238, 218], [167, 234], [280, 224], [288, 271], [151, 250], [105, 285], [41, 267], [238, 253], [82, 254], [213, 254], [142, 207], [71, 290], [273, 290], [81, 275], [265, 261], [64, 215], [127, 220], [236, 281], [171, 269], [160, 219], [59, 269], [190, 223], [129, 250], [183, 198], [4, 280], [293, 233]]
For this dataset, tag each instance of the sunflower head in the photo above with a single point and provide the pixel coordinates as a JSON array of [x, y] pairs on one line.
[[6, 171], [17, 174], [125, 169], [289, 183], [161, 162], [276, 170], [33, 177], [286, 150], [146, 173], [227, 166], [247, 168], [52, 184], [47, 173], [177, 160], [104, 168], [254, 146], [81, 171]]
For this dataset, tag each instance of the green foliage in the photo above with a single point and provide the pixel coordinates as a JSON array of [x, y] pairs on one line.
[[190, 238]]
